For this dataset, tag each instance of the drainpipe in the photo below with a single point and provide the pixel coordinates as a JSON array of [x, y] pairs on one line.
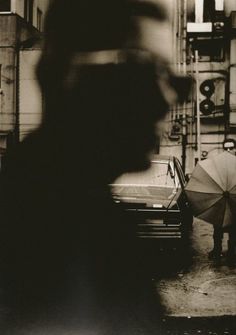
[[199, 6], [13, 6], [17, 95], [178, 48], [232, 86], [184, 117], [198, 108]]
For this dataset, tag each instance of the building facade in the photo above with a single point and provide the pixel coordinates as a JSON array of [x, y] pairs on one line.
[[204, 35], [204, 45], [21, 25]]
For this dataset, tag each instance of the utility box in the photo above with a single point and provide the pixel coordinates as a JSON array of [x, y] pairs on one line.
[[204, 27]]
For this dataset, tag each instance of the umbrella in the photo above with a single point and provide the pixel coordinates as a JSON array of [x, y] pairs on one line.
[[211, 190]]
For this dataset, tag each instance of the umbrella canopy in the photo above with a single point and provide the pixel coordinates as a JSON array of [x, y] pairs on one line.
[[212, 190]]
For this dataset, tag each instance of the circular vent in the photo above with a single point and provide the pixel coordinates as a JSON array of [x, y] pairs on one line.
[[207, 107], [207, 88]]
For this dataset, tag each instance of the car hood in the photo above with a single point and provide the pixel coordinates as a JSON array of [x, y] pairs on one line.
[[148, 196]]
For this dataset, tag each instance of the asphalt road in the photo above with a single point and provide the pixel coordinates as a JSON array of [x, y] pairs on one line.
[[200, 326], [197, 295]]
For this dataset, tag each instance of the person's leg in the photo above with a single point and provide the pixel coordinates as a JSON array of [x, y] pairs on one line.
[[231, 253], [217, 238]]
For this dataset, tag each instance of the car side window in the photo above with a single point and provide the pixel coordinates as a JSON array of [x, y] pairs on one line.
[[174, 174], [180, 172]]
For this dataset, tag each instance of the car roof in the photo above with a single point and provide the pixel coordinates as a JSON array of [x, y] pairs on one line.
[[164, 158]]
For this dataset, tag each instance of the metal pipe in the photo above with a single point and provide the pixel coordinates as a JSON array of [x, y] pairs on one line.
[[199, 5], [13, 6], [192, 113], [184, 116], [17, 98], [198, 107], [219, 5], [179, 42], [175, 50], [232, 85]]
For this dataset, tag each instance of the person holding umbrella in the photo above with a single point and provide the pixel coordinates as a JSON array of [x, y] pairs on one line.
[[212, 194], [229, 145]]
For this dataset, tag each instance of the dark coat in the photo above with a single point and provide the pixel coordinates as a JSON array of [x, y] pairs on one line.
[[67, 252]]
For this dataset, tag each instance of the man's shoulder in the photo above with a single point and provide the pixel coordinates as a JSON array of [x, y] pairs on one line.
[[24, 156]]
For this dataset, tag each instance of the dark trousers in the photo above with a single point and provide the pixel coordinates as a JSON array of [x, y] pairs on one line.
[[218, 236], [232, 240]]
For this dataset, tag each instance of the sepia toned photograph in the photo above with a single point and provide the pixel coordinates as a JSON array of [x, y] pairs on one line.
[[117, 167]]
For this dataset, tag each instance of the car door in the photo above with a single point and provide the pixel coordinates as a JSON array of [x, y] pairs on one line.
[[186, 211]]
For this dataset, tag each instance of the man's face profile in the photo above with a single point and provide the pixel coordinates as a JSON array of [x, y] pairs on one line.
[[143, 104]]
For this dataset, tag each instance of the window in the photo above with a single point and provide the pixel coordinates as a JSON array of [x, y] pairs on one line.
[[210, 49], [5, 5], [29, 10], [39, 19]]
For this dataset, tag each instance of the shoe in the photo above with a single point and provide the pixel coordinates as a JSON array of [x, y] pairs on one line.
[[231, 256], [231, 260], [215, 254]]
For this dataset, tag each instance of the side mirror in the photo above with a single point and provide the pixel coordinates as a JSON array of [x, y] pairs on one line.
[[187, 177], [171, 172]]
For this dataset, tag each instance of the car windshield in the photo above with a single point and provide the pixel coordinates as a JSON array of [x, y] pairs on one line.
[[161, 174]]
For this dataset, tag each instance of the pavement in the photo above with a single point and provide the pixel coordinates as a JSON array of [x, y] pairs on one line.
[[198, 296], [199, 326], [203, 289]]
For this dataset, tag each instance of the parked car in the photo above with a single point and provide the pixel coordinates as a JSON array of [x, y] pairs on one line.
[[156, 199]]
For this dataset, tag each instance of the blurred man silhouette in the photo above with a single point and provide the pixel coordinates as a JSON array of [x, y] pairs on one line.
[[68, 255]]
